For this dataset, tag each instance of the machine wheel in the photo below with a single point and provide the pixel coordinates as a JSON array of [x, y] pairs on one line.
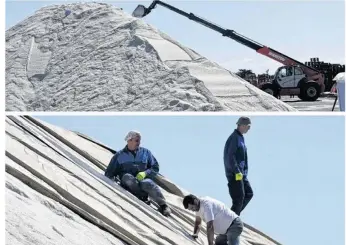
[[271, 89], [310, 91]]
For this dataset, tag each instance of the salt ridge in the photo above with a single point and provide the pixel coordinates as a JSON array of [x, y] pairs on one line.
[[99, 58]]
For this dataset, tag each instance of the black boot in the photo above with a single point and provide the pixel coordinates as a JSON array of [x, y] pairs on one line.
[[165, 210], [144, 197], [146, 200]]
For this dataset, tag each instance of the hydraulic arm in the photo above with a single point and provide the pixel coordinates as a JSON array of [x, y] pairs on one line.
[[142, 11]]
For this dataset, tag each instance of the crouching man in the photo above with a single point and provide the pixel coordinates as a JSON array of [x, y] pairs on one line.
[[220, 220], [136, 168]]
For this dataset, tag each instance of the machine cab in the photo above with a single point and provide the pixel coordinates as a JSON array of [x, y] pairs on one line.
[[289, 76]]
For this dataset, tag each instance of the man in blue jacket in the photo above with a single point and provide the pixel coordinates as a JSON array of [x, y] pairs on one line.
[[136, 168], [236, 166]]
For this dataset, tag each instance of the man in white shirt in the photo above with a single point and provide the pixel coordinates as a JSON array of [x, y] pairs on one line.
[[220, 220]]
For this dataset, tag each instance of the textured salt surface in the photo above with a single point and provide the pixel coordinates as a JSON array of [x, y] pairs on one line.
[[100, 58], [56, 193]]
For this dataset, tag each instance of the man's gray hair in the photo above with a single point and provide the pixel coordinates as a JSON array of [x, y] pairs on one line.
[[132, 134]]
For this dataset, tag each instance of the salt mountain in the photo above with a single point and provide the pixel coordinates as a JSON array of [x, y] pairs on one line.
[[96, 57]]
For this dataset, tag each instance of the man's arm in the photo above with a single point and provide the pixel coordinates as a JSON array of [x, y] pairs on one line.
[[231, 164], [153, 166], [113, 167], [246, 167], [210, 232], [209, 219], [198, 222]]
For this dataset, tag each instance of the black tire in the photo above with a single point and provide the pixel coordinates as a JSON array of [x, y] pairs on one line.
[[310, 91], [271, 89]]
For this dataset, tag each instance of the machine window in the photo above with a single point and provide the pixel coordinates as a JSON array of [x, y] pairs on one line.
[[298, 71]]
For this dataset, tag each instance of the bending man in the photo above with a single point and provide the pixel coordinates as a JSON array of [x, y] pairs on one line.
[[136, 168], [219, 218]]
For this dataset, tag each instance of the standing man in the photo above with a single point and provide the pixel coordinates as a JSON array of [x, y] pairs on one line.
[[136, 168], [236, 166], [218, 217]]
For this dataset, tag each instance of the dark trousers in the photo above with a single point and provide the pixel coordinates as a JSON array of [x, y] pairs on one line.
[[241, 194], [143, 188]]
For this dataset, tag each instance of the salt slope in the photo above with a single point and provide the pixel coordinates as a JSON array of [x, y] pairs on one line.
[[56, 194], [100, 58]]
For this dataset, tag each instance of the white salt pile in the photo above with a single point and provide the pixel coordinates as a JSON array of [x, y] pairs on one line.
[[56, 193], [96, 57]]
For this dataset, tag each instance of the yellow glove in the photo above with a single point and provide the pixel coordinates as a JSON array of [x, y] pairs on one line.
[[238, 176], [141, 175]]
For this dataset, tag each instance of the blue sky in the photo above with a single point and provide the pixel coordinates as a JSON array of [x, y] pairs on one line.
[[296, 165], [299, 29]]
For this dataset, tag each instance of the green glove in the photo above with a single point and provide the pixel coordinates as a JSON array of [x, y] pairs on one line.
[[238, 176], [141, 175]]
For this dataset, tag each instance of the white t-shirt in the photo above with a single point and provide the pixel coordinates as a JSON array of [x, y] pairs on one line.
[[211, 209]]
